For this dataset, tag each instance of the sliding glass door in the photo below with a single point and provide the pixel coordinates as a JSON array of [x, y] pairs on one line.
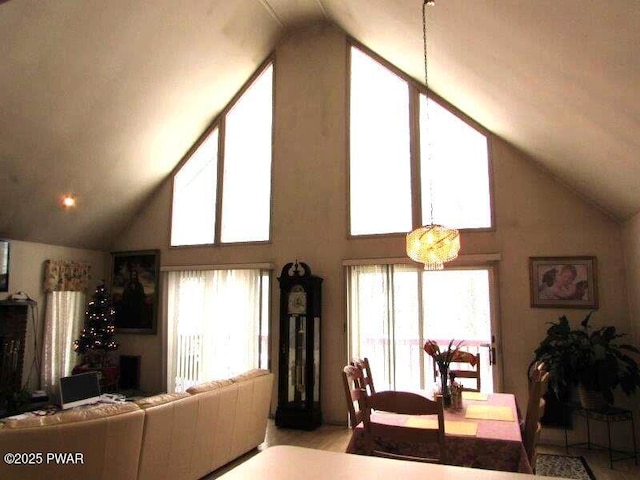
[[394, 308]]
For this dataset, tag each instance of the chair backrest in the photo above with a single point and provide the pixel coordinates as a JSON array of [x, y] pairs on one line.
[[473, 371], [367, 378], [535, 409], [405, 403], [353, 392]]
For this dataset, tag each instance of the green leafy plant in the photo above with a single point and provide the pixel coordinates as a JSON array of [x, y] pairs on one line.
[[588, 357]]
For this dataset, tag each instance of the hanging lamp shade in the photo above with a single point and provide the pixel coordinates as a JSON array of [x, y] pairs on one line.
[[433, 245]]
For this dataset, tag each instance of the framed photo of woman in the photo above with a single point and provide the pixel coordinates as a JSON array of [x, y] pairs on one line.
[[134, 290], [563, 282]]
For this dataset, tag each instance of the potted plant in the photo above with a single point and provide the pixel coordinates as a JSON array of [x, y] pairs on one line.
[[590, 359]]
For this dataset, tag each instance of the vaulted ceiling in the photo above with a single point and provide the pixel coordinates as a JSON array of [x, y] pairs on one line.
[[102, 99]]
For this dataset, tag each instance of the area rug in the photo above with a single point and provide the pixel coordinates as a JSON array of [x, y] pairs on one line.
[[563, 466]]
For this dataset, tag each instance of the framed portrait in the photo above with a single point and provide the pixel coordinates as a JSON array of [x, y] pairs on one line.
[[563, 282], [134, 290], [4, 266]]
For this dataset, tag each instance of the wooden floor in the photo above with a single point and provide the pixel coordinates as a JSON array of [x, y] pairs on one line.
[[336, 438]]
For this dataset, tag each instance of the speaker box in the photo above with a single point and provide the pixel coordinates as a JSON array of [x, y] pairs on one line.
[[130, 372]]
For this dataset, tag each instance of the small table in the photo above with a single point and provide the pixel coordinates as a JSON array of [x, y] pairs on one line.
[[610, 415]]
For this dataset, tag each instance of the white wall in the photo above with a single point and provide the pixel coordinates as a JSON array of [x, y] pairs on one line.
[[631, 239], [26, 268], [631, 243], [535, 216]]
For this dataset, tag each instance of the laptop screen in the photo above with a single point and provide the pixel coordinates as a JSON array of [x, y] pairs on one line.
[[79, 389]]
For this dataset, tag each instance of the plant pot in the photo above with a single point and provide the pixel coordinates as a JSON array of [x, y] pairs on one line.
[[591, 399]]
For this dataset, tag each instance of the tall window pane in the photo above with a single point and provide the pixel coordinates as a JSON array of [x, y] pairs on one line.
[[455, 176], [246, 197], [194, 189], [204, 344], [380, 175]]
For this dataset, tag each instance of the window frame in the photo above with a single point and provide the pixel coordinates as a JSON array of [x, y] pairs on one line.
[[416, 88], [219, 122]]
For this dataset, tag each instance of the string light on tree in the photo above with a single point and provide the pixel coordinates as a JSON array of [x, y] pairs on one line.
[[97, 338]]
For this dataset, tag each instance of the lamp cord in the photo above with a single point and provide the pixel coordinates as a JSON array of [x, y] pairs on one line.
[[427, 3]]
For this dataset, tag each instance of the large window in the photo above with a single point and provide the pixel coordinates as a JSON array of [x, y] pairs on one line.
[[394, 309], [200, 198], [387, 189], [379, 141], [455, 177], [218, 324]]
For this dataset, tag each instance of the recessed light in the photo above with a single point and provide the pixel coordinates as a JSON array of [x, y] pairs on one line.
[[68, 201]]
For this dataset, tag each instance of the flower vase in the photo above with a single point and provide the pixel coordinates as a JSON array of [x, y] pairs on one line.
[[445, 388]]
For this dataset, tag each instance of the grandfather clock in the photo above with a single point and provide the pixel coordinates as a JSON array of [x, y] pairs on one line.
[[299, 353]]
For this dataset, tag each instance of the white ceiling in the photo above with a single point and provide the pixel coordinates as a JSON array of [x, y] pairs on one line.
[[102, 99]]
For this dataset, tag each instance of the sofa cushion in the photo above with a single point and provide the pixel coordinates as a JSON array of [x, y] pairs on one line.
[[78, 414], [256, 372], [208, 386], [160, 399]]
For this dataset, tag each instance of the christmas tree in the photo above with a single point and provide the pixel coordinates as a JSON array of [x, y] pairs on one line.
[[97, 337]]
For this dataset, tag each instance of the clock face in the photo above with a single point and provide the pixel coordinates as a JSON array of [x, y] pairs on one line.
[[297, 301]]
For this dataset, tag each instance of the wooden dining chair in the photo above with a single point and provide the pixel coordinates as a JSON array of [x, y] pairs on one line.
[[472, 371], [353, 392], [378, 434], [535, 409], [367, 378]]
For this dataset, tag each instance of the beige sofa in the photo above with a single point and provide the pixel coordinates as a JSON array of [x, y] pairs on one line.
[[168, 436]]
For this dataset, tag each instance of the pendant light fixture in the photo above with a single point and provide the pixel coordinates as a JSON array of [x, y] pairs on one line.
[[431, 244]]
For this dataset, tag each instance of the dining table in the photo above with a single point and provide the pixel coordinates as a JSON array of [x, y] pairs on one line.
[[286, 462], [484, 433]]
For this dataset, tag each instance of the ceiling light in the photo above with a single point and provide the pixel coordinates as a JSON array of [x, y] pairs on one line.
[[431, 244], [68, 201]]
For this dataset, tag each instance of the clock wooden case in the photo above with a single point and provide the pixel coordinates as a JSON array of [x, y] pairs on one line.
[[299, 352]]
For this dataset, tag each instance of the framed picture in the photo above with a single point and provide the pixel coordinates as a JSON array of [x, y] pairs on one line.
[[4, 266], [563, 282], [134, 290]]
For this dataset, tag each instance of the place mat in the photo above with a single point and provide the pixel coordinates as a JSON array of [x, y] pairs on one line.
[[474, 395], [452, 427], [489, 412]]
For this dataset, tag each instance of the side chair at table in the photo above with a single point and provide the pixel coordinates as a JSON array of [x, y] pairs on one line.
[[367, 379], [405, 403], [351, 382], [473, 372], [535, 410]]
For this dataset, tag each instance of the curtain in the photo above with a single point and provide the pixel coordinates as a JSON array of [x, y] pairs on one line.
[[63, 276], [384, 324], [217, 324], [65, 283]]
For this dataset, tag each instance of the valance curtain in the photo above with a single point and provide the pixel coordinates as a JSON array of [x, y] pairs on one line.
[[65, 283], [66, 276]]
